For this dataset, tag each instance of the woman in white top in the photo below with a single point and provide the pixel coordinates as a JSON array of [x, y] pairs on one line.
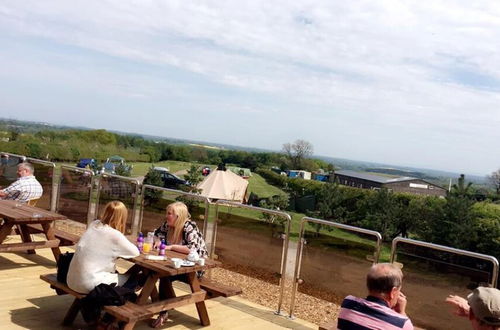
[[95, 257]]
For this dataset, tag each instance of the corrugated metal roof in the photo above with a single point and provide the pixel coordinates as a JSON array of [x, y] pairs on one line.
[[372, 177]]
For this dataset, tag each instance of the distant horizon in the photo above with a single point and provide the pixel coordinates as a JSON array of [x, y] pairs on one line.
[[414, 83], [397, 166]]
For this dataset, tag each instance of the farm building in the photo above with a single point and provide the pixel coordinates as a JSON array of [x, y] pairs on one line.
[[397, 184]]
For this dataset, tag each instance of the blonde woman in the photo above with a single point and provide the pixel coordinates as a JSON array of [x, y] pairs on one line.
[[95, 257], [180, 232], [181, 235]]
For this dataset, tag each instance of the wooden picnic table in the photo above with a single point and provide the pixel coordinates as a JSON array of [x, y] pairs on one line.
[[15, 213], [164, 272]]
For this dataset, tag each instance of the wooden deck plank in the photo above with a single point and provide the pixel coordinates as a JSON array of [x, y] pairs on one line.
[[35, 306]]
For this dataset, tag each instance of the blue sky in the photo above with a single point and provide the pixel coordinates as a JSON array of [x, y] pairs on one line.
[[412, 83]]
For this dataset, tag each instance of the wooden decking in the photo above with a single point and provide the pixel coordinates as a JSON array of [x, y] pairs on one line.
[[26, 302]]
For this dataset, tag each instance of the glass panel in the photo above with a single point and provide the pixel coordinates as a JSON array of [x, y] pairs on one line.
[[44, 172], [335, 262], [155, 204], [430, 276], [74, 194], [250, 242], [118, 189], [8, 169]]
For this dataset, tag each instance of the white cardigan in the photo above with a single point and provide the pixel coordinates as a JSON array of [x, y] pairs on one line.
[[95, 257]]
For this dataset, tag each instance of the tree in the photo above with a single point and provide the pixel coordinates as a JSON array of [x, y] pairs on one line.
[[152, 178], [459, 216], [297, 152], [14, 134], [123, 170], [494, 180], [461, 189], [329, 206], [153, 153], [194, 177]]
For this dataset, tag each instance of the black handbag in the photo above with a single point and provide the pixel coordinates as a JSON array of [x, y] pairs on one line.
[[63, 266]]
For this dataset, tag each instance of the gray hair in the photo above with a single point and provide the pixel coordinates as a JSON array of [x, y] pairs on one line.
[[27, 166], [383, 277]]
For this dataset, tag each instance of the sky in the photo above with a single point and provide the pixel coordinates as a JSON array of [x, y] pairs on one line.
[[412, 83]]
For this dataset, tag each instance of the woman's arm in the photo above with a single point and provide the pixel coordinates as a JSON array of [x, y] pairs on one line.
[[178, 248], [160, 233], [123, 247]]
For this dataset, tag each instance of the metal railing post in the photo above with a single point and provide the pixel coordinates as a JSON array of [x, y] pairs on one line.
[[298, 259], [493, 260], [286, 239]]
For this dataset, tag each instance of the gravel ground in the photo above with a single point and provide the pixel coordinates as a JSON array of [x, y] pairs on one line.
[[264, 293], [261, 288]]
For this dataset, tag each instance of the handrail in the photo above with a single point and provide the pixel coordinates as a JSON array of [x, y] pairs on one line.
[[493, 260], [286, 238], [298, 258], [15, 155], [40, 161], [136, 199], [92, 181], [180, 192]]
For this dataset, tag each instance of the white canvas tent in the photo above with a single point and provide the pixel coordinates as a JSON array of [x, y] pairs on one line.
[[224, 185]]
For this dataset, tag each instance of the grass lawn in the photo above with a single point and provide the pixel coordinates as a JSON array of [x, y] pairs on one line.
[[140, 168], [259, 186]]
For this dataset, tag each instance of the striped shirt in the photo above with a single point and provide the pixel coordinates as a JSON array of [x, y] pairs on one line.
[[370, 313], [24, 189]]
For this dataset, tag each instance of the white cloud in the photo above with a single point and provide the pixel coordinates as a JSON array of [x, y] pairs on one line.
[[385, 66]]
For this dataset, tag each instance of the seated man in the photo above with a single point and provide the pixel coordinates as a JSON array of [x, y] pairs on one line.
[[25, 188], [482, 307], [385, 306]]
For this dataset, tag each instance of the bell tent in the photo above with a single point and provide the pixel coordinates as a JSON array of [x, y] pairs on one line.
[[221, 184]]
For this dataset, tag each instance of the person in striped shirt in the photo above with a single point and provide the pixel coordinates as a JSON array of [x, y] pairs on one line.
[[385, 306]]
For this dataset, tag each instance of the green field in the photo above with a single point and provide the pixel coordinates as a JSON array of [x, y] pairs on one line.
[[140, 168]]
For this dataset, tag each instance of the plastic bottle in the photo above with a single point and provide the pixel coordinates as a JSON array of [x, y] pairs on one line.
[[163, 246], [140, 242], [148, 243]]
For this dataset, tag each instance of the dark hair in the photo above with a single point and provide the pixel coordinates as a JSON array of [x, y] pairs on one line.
[[383, 277]]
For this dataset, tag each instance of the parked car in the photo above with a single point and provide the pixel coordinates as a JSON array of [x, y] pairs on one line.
[[111, 164], [205, 170], [89, 163], [170, 180]]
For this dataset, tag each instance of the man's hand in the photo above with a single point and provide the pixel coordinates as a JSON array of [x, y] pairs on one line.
[[400, 306], [461, 306]]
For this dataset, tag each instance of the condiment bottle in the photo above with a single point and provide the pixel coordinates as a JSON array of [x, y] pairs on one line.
[[140, 241], [163, 246]]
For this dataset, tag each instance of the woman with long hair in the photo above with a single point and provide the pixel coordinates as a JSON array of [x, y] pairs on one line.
[[180, 232], [95, 257], [181, 235]]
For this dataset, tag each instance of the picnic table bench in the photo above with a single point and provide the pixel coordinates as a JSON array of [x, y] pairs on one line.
[[65, 238], [142, 309], [21, 215]]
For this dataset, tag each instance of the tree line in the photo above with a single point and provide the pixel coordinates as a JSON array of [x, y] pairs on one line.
[[458, 220], [71, 145]]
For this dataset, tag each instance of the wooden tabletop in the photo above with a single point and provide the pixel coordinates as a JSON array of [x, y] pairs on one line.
[[166, 267], [18, 212]]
